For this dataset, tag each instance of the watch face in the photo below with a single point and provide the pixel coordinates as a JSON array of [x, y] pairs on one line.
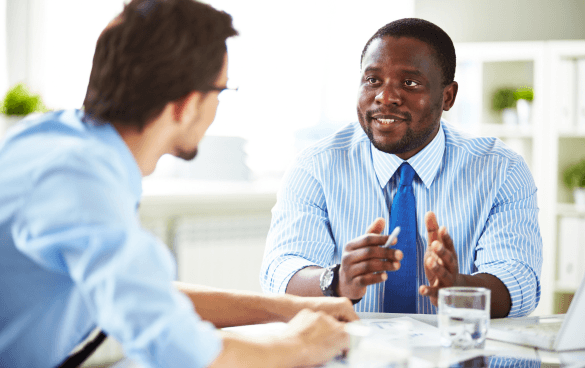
[[327, 278]]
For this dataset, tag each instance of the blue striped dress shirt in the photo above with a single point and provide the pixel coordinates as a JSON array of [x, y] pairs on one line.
[[481, 190], [74, 256]]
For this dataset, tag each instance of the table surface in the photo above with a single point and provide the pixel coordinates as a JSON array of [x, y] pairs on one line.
[[500, 354], [445, 357]]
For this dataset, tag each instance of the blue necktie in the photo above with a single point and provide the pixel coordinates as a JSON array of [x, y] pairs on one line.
[[400, 287]]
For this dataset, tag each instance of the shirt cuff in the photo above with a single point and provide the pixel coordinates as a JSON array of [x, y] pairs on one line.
[[285, 271], [522, 288]]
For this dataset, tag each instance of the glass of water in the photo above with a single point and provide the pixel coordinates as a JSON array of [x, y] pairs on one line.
[[464, 316]]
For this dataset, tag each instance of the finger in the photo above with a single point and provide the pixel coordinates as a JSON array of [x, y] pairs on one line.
[[377, 226], [446, 238], [429, 270], [370, 253], [443, 255], [372, 266], [370, 279], [430, 291], [346, 311], [432, 227], [443, 276], [366, 240], [446, 258], [441, 268]]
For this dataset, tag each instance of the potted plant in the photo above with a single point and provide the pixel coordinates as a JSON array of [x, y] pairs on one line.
[[523, 96], [574, 178], [18, 103], [503, 101]]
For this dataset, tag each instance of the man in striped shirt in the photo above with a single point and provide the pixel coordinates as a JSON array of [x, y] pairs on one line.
[[334, 204]]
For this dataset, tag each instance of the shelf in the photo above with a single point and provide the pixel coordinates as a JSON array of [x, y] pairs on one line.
[[576, 132], [569, 210], [552, 140], [565, 289], [506, 131]]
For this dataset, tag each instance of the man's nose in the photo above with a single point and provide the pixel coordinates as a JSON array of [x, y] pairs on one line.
[[388, 95]]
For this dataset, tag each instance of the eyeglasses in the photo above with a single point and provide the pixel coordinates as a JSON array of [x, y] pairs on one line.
[[222, 91]]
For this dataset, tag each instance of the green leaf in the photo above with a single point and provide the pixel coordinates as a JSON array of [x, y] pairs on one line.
[[524, 93], [19, 101], [503, 98], [574, 175]]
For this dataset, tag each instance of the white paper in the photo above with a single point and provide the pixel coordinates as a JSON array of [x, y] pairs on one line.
[[421, 334]]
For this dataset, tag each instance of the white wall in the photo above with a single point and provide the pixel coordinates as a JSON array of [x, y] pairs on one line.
[[505, 20], [3, 49], [50, 46]]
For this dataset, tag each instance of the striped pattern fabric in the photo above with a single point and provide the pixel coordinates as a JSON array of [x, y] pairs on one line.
[[481, 190]]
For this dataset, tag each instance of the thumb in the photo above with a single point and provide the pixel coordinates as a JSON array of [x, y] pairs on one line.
[[377, 226]]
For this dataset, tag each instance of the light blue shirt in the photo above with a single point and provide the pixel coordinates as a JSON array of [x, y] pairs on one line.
[[479, 189], [73, 255]]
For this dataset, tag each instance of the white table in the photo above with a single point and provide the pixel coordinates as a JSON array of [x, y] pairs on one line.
[[437, 356], [444, 357]]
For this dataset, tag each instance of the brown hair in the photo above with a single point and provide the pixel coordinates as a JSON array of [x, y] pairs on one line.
[[153, 53]]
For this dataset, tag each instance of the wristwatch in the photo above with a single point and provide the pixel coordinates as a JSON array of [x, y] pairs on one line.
[[329, 280]]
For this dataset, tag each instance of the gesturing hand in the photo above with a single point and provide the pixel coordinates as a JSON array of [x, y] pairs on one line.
[[440, 262], [364, 262]]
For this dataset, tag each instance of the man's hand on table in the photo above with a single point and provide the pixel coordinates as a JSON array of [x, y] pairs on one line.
[[339, 308], [319, 336], [440, 261], [364, 262]]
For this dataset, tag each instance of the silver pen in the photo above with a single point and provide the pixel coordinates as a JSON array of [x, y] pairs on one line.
[[392, 236]]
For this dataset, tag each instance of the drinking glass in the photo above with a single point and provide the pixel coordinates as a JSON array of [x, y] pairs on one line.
[[464, 316]]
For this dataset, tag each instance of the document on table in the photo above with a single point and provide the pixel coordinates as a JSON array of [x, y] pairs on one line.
[[421, 334], [265, 329]]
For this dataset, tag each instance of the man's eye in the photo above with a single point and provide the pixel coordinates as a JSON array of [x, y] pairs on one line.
[[372, 80], [411, 83]]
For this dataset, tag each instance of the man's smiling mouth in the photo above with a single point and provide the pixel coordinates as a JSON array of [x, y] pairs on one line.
[[385, 121]]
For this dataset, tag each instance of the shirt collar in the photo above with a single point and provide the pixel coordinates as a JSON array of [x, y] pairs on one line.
[[106, 133], [426, 163]]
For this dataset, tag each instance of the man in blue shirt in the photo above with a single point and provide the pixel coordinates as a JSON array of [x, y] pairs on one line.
[[336, 199], [73, 255]]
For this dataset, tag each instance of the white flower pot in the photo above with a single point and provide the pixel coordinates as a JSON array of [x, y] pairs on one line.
[[523, 108], [579, 196], [510, 116]]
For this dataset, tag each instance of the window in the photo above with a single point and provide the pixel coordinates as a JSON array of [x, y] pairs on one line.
[[296, 64]]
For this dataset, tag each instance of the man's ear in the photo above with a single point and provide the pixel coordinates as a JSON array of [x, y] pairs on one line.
[[449, 94], [186, 109]]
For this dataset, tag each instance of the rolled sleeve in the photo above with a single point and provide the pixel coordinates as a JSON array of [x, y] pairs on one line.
[[285, 270], [521, 284], [300, 233], [511, 246]]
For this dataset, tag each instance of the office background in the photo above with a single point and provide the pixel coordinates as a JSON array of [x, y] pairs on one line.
[[297, 67]]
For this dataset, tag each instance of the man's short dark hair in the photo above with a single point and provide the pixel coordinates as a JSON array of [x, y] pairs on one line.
[[427, 32], [153, 53]]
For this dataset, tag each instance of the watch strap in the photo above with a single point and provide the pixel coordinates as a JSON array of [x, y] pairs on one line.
[[335, 282]]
